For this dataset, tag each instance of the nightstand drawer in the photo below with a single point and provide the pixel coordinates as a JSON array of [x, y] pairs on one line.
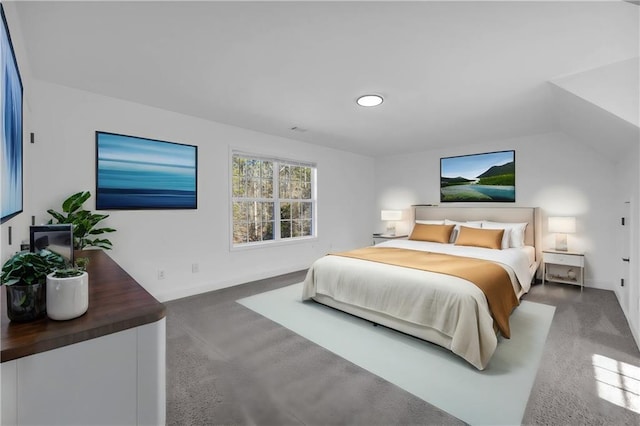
[[564, 259]]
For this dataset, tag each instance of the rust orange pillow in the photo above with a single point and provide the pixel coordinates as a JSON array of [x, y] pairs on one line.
[[433, 233], [487, 238]]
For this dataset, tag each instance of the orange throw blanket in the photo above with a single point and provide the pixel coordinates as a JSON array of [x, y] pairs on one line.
[[488, 276]]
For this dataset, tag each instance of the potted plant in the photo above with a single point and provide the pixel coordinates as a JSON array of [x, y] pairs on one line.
[[24, 276], [84, 222], [68, 291]]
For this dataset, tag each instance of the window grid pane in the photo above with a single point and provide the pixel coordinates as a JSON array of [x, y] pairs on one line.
[[267, 209]]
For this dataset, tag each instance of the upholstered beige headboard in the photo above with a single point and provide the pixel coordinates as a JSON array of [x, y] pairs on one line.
[[531, 215]]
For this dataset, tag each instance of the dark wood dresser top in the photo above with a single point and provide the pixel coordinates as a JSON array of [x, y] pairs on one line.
[[116, 303]]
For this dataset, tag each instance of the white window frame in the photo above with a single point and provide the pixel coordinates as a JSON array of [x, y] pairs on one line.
[[277, 239]]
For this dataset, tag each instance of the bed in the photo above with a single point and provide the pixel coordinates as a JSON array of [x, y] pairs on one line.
[[440, 307]]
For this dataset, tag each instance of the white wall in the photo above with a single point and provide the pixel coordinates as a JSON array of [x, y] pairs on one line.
[[62, 161], [553, 172]]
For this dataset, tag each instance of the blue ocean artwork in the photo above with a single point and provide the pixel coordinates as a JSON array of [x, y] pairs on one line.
[[139, 173], [10, 129]]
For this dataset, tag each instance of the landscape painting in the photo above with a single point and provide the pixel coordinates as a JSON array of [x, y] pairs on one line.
[[489, 177], [10, 127], [136, 173]]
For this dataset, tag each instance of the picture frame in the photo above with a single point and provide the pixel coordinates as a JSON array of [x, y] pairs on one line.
[[135, 173], [487, 177], [11, 149], [55, 238]]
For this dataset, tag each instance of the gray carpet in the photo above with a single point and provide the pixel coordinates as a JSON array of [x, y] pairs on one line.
[[229, 365], [423, 369]]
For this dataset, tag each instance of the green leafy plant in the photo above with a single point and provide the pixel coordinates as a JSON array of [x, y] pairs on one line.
[[76, 271], [67, 273], [26, 268], [82, 263], [84, 222]]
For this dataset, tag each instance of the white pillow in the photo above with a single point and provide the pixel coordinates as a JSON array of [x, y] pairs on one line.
[[431, 222], [456, 230], [516, 230], [506, 236]]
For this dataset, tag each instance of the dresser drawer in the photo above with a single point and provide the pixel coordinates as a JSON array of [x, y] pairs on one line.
[[564, 259]]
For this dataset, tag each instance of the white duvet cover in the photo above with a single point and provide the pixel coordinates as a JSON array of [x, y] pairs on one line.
[[452, 311]]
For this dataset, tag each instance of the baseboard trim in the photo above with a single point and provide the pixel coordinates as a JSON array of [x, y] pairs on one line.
[[599, 285], [218, 285]]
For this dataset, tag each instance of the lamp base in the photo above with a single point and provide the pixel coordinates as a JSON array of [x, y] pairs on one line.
[[391, 230], [561, 242]]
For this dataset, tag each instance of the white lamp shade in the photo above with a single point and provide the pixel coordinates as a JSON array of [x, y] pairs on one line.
[[564, 225], [391, 215]]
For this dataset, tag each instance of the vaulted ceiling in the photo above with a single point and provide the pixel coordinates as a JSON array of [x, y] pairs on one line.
[[450, 72]]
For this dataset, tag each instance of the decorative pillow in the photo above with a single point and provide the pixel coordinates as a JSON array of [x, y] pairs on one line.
[[506, 237], [516, 239], [431, 222], [487, 238], [434, 233], [454, 234]]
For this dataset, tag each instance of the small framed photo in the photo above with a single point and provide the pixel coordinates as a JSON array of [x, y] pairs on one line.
[[54, 238]]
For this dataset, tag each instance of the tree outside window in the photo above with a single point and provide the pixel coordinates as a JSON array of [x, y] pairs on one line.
[[273, 199]]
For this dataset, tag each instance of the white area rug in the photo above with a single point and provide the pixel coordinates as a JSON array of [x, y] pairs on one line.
[[497, 395]]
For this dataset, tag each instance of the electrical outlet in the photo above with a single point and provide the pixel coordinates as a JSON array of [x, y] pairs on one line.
[[161, 274], [195, 268]]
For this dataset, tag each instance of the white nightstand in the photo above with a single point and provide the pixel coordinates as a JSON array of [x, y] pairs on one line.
[[563, 267], [380, 238]]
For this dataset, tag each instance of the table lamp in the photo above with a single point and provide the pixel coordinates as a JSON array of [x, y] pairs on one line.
[[391, 216], [562, 226]]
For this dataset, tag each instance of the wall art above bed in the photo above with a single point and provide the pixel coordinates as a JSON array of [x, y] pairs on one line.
[[136, 173], [488, 177]]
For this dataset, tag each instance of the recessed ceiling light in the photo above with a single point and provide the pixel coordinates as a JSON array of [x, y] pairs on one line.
[[369, 100]]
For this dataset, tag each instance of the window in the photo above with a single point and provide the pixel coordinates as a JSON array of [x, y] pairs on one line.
[[272, 199]]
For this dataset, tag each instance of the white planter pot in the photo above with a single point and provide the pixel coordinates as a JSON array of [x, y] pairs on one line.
[[67, 298]]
